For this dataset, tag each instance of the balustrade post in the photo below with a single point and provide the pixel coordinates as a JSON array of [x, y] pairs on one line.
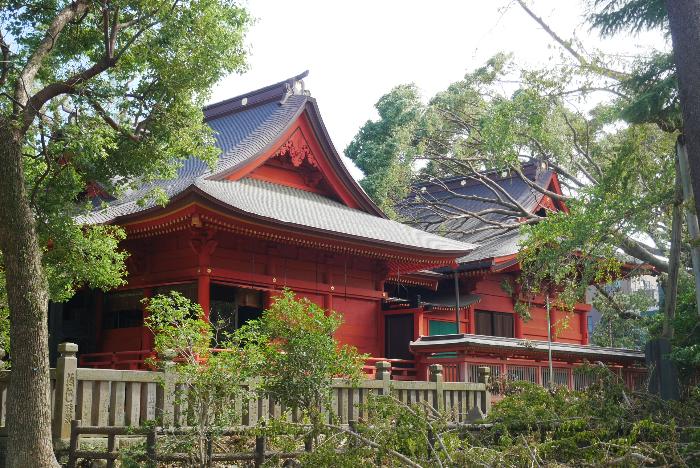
[[383, 373], [437, 377], [484, 373], [66, 389], [168, 388]]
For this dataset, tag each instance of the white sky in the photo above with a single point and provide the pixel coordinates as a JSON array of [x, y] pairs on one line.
[[356, 51]]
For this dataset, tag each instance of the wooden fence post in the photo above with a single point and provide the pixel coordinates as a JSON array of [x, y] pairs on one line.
[[484, 374], [259, 451], [383, 373], [437, 377], [73, 447], [66, 388], [169, 388]]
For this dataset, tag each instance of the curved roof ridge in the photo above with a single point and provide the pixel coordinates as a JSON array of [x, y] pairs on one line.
[[252, 98]]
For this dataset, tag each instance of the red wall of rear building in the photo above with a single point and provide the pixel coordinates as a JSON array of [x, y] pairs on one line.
[[495, 298]]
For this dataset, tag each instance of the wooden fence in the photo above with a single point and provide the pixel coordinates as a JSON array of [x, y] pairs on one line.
[[120, 398]]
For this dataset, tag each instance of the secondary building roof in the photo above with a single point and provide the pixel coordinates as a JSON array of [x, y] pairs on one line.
[[465, 194], [522, 347]]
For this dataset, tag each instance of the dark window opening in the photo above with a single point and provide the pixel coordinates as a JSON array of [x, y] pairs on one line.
[[398, 331], [494, 324], [123, 309], [231, 307]]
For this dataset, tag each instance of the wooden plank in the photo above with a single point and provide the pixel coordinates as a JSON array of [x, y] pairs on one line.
[[343, 405], [354, 403], [3, 404], [100, 403], [148, 402], [83, 406], [116, 403], [133, 403], [335, 409], [180, 407]]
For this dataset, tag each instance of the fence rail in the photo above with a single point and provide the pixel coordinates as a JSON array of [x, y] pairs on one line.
[[129, 398]]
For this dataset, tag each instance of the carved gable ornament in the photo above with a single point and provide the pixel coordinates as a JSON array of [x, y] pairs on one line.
[[296, 150]]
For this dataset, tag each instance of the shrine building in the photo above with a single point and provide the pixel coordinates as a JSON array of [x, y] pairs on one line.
[[280, 210]]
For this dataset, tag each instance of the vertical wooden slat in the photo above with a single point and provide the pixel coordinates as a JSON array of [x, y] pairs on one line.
[[354, 403], [148, 402], [116, 404], [334, 409], [3, 409], [100, 403], [133, 403], [344, 405], [83, 407], [180, 406]]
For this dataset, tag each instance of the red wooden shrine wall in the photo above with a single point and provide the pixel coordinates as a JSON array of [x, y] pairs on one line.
[[350, 285]]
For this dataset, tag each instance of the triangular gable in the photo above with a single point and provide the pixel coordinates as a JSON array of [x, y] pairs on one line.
[[297, 159], [549, 203]]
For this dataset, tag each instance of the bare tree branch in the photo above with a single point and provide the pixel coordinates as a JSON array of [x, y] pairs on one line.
[[25, 81], [583, 61], [637, 250]]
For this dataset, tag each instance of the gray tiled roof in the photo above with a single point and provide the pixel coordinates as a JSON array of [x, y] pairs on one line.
[[494, 242], [279, 203], [532, 346], [244, 127], [499, 245]]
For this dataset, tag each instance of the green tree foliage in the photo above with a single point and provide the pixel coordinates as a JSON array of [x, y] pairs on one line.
[[605, 425], [210, 383], [617, 178], [94, 97], [386, 149], [300, 354], [132, 121], [624, 320]]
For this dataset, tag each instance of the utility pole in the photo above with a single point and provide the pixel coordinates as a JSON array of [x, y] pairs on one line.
[[549, 341]]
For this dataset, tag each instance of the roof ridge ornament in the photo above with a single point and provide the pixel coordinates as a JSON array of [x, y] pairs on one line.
[[294, 87]]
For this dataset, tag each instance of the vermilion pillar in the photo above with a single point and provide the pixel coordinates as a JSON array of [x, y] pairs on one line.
[[203, 244], [203, 285]]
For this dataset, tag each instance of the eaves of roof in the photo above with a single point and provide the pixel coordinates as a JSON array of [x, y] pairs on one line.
[[559, 349]]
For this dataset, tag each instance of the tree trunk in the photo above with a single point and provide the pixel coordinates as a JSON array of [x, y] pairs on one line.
[[674, 260], [691, 219], [684, 20], [28, 420]]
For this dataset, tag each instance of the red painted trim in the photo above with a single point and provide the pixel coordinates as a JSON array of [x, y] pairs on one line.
[[196, 213], [340, 189]]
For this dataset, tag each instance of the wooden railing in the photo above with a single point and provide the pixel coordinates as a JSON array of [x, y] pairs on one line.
[[456, 369], [401, 369], [119, 398], [133, 360]]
